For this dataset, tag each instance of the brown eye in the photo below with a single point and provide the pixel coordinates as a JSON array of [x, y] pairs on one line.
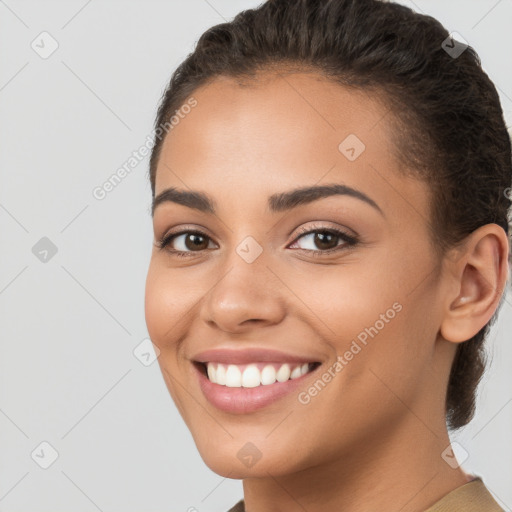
[[194, 241], [321, 241], [185, 242], [325, 240]]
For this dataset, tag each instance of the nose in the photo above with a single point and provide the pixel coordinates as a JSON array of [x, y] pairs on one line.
[[245, 296]]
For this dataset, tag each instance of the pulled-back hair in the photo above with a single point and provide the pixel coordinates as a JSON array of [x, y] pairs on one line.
[[447, 123]]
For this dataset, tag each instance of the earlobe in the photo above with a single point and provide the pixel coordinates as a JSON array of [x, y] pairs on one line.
[[479, 277]]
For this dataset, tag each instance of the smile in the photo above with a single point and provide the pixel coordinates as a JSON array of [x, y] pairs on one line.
[[255, 374], [244, 381]]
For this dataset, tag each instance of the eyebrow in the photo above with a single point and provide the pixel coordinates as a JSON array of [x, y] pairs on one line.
[[279, 202]]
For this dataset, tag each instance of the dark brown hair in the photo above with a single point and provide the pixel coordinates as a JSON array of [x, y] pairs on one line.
[[448, 125]]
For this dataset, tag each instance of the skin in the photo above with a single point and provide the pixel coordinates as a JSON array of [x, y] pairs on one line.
[[372, 439]]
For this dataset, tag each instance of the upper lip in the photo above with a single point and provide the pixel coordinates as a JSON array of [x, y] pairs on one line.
[[249, 355]]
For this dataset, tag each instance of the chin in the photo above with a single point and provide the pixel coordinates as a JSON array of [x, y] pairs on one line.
[[230, 467], [240, 458]]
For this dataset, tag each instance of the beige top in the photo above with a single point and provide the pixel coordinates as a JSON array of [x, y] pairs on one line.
[[470, 497]]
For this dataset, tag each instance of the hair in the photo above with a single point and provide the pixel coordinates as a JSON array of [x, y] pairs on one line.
[[447, 123]]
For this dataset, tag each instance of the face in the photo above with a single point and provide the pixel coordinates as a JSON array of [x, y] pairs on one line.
[[339, 282]]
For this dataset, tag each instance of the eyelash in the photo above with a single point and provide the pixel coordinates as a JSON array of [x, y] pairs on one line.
[[349, 240]]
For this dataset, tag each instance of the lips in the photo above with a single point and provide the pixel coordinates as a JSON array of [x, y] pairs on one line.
[[249, 355], [243, 381]]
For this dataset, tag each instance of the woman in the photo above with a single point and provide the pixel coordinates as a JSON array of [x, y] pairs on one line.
[[331, 245]]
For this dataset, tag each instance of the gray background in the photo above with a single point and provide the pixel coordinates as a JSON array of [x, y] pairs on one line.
[[69, 325]]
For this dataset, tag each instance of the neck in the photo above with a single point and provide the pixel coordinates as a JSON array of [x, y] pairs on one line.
[[400, 470]]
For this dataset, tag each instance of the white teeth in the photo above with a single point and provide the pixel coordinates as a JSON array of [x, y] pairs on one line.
[[251, 376], [283, 373], [296, 372], [220, 374], [233, 376], [211, 372], [268, 375]]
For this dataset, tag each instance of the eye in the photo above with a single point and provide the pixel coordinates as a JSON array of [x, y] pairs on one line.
[[185, 242], [326, 240]]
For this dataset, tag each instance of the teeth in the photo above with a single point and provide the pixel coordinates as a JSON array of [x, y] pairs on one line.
[[283, 373], [296, 372], [233, 377], [268, 375], [220, 374], [251, 376], [211, 372]]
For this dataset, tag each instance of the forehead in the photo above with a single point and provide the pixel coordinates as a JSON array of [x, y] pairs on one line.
[[284, 114], [278, 132]]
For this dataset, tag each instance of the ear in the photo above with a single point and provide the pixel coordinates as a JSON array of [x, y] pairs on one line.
[[478, 276]]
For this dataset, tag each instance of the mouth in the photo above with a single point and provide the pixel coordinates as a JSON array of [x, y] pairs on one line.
[[243, 387], [255, 374]]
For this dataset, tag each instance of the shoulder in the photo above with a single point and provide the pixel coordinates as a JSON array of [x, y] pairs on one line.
[[471, 497]]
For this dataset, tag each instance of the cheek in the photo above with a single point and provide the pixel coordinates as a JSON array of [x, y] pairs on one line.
[[168, 303], [345, 300], [369, 317]]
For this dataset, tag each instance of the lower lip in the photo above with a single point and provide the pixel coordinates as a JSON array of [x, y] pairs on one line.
[[246, 400]]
